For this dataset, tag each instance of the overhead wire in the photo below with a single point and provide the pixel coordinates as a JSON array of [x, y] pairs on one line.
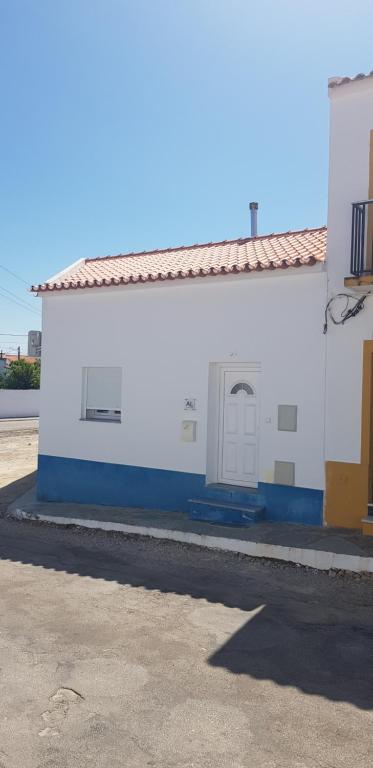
[[17, 300], [17, 277]]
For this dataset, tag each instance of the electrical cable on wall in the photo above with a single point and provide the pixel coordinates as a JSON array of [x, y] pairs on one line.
[[347, 312]]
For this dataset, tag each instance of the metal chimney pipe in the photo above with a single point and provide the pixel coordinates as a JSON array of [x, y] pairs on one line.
[[254, 219]]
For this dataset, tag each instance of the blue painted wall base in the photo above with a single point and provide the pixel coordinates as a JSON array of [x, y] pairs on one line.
[[118, 485]]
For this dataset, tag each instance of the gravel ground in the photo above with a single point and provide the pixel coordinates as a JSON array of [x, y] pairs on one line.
[[18, 459]]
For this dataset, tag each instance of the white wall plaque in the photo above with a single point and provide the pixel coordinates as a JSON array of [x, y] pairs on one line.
[[190, 404]]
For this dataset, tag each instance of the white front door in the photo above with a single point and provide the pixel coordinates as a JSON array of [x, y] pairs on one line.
[[238, 427]]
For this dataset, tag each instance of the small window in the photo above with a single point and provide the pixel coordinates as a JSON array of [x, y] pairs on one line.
[[102, 394], [242, 387]]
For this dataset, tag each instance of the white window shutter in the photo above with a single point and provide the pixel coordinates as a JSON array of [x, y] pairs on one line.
[[104, 388]]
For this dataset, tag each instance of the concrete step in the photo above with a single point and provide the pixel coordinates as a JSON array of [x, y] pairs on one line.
[[367, 525], [235, 494], [224, 513]]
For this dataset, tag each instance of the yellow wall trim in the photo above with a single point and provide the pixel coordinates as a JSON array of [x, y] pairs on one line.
[[367, 405], [349, 486], [346, 494], [353, 282]]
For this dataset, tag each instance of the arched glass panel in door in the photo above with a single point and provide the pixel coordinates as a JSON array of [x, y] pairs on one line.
[[242, 386]]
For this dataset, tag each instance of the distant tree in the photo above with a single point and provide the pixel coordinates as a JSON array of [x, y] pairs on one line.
[[21, 375]]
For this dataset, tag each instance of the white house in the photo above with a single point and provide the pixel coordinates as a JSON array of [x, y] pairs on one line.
[[199, 378]]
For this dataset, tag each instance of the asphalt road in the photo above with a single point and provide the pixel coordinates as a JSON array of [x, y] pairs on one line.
[[130, 653]]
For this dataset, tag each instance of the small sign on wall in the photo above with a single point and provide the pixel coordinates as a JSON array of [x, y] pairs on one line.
[[190, 404]]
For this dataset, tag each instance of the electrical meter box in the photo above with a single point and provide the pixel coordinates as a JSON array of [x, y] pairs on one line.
[[188, 431]]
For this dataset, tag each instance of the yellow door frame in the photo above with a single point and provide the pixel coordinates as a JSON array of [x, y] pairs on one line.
[[367, 414]]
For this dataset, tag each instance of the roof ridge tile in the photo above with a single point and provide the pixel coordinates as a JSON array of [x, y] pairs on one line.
[[335, 82]]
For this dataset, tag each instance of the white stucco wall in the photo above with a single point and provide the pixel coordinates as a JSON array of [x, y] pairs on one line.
[[351, 119], [19, 403], [164, 335]]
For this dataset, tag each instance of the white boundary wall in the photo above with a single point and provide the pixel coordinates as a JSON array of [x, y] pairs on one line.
[[19, 403]]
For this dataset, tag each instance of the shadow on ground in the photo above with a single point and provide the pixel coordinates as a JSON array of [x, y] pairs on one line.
[[330, 660], [12, 491], [310, 631]]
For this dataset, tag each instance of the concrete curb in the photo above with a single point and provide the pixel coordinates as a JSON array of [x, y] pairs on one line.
[[312, 558]]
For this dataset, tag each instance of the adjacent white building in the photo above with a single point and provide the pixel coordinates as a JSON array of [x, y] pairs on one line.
[[199, 378]]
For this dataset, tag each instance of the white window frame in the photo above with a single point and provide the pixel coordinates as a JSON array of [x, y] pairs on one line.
[[99, 414]]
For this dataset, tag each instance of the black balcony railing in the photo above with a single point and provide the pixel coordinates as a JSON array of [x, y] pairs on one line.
[[362, 238]]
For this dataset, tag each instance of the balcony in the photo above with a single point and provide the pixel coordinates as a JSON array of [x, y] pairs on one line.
[[361, 266], [361, 243]]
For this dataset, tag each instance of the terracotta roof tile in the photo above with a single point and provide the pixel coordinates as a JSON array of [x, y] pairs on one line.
[[13, 358], [334, 82], [278, 251]]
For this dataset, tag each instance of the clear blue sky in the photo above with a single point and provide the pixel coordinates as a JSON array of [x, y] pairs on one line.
[[134, 124]]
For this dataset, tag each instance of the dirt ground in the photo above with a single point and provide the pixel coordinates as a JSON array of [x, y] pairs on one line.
[[131, 653], [18, 458]]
